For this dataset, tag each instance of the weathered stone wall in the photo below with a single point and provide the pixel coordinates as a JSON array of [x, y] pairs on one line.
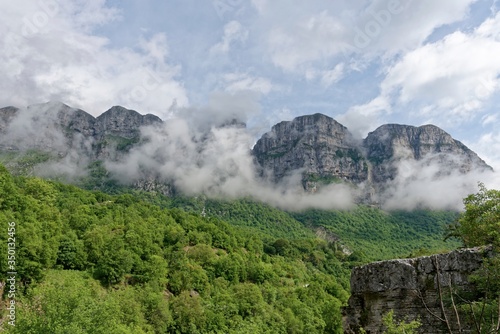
[[411, 287]]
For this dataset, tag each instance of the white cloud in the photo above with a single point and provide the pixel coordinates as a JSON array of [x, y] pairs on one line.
[[329, 77], [233, 32], [449, 80], [362, 119], [260, 5], [315, 33], [488, 146], [52, 53]]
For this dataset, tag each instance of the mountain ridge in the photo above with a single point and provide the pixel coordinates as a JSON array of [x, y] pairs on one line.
[[316, 149]]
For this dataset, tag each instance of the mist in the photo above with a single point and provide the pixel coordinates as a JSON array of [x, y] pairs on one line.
[[36, 129], [207, 156], [207, 150], [433, 182]]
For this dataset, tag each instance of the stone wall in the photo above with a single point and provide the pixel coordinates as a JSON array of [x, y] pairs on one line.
[[411, 287]]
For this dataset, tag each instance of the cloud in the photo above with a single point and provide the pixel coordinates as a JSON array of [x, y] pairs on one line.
[[364, 118], [425, 183], [449, 80], [206, 158], [234, 32], [488, 145], [318, 34], [51, 52], [40, 128], [244, 82]]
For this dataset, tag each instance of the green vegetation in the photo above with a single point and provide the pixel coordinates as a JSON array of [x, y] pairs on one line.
[[479, 225], [23, 163], [394, 327], [376, 235], [136, 262], [328, 179], [402, 327], [88, 262]]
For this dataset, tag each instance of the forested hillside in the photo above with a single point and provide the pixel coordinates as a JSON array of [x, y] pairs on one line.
[[89, 262]]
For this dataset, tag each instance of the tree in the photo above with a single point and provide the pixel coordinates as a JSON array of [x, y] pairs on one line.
[[402, 327], [480, 223]]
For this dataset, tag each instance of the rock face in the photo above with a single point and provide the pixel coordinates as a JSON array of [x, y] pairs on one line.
[[56, 126], [317, 146], [411, 288], [315, 149], [6, 116], [391, 143], [324, 151], [122, 122]]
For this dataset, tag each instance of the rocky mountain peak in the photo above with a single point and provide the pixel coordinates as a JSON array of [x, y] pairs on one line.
[[324, 151], [422, 140], [391, 143], [123, 122], [317, 145]]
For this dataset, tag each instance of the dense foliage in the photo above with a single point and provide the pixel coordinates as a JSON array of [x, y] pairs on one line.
[[368, 232], [88, 262], [133, 262], [479, 225]]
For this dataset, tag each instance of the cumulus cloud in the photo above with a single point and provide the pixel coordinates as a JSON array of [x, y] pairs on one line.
[[51, 52], [449, 80], [312, 34], [364, 118]]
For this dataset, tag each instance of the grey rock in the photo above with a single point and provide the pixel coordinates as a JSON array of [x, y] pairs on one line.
[[6, 116], [410, 288], [391, 143], [317, 146], [324, 151], [122, 122]]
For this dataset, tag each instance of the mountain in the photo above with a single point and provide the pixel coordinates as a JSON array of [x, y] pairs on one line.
[[314, 149], [324, 151], [391, 143], [317, 144], [57, 128]]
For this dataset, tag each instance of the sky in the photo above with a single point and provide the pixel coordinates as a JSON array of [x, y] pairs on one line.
[[364, 63]]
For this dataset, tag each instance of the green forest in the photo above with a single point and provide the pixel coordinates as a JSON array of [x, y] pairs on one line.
[[134, 262]]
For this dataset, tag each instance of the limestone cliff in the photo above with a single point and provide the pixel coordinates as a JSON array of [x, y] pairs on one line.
[[411, 287], [391, 143], [322, 151], [54, 126], [315, 149], [317, 146]]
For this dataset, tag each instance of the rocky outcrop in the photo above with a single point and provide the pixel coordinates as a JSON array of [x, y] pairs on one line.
[[413, 289], [317, 146], [315, 149], [6, 116]]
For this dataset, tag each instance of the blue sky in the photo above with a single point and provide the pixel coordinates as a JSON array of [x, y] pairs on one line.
[[364, 63]]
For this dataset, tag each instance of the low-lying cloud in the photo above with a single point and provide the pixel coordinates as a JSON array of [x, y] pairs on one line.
[[428, 183], [217, 162], [207, 150]]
